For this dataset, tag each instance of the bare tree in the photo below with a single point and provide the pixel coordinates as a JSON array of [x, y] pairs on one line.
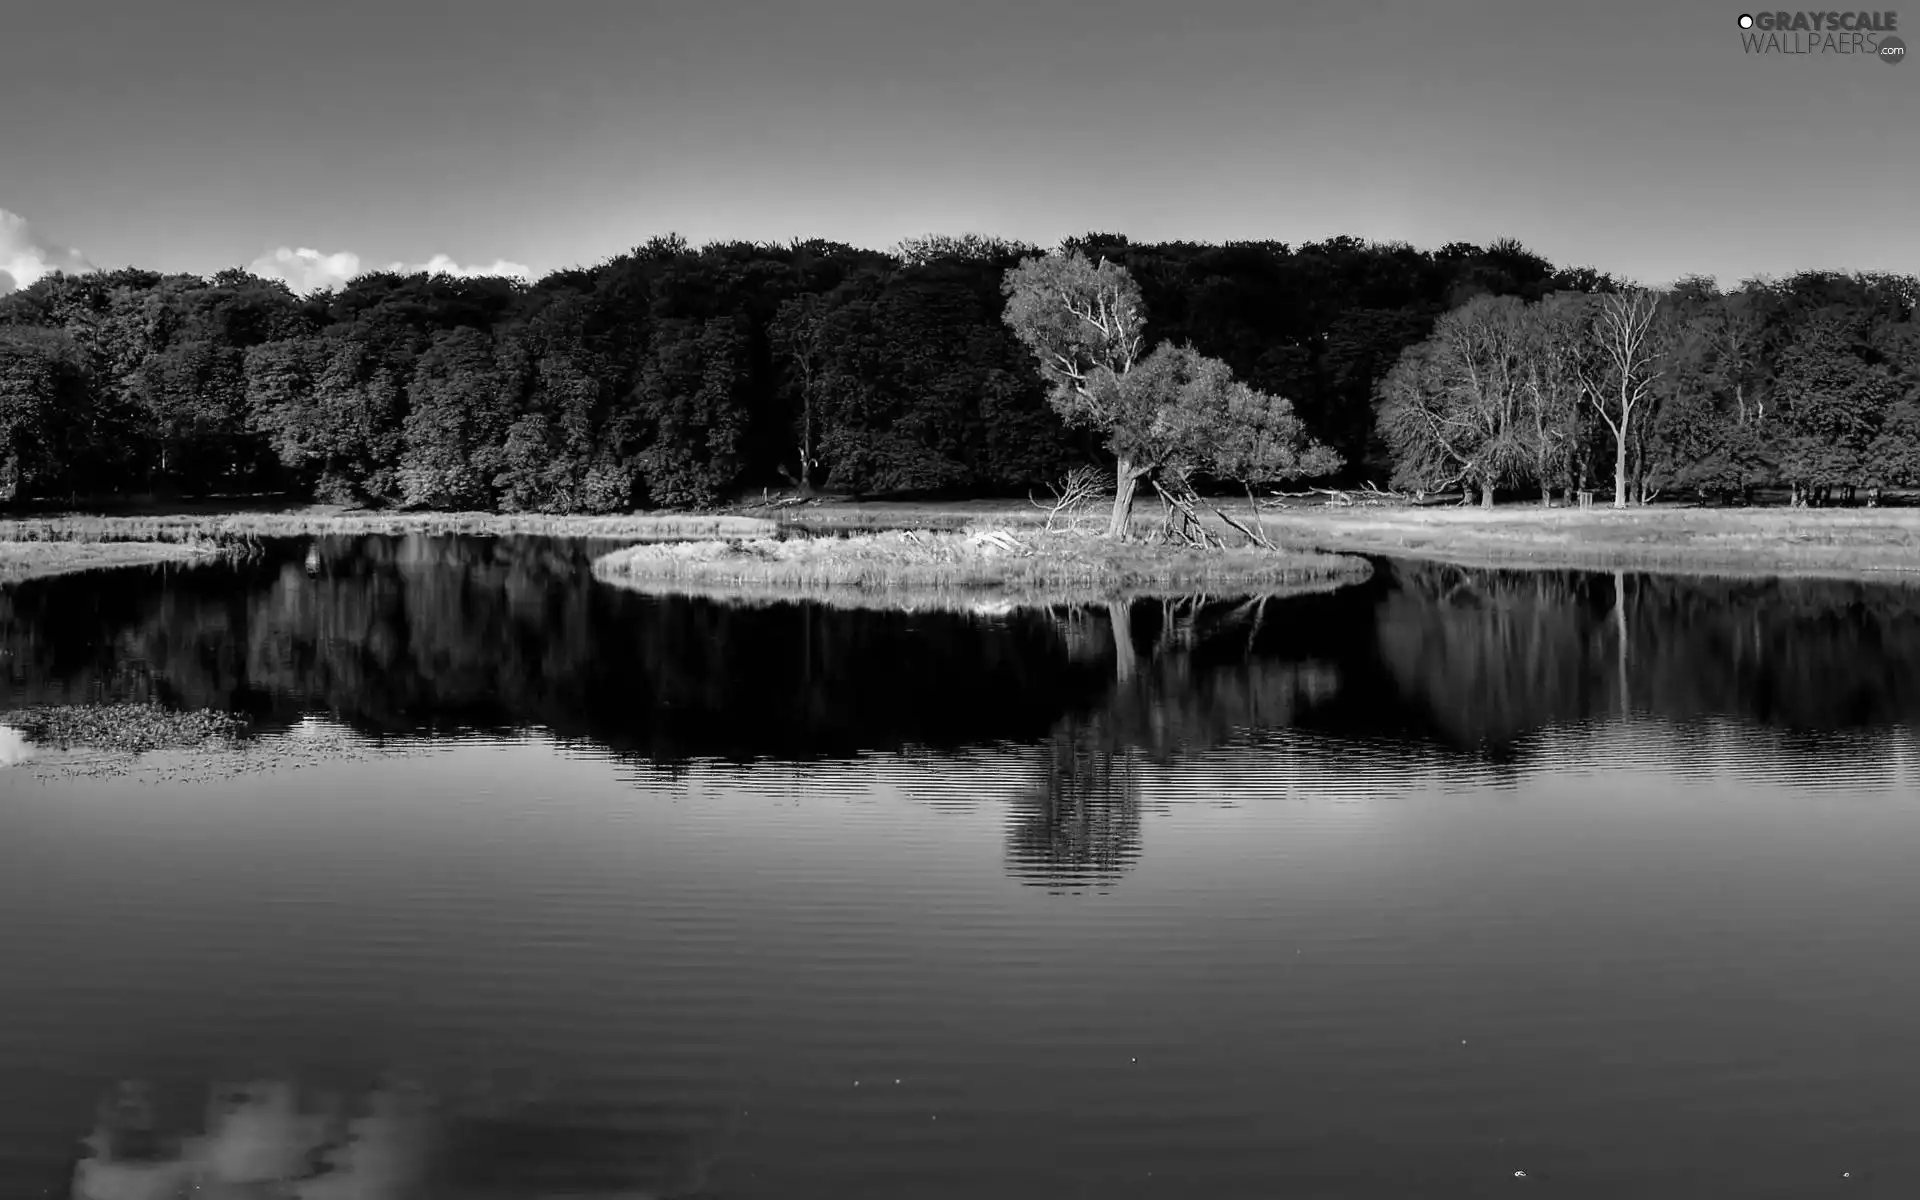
[[1627, 363], [799, 333], [1551, 385]]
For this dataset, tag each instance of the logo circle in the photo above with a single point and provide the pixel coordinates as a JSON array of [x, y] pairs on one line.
[[1746, 20], [1892, 49]]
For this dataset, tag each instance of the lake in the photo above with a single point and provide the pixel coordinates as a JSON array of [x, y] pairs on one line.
[[1456, 882]]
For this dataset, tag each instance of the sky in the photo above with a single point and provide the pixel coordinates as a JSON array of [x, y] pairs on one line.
[[314, 140]]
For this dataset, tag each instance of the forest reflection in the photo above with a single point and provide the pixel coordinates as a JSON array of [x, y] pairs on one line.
[[435, 635], [1492, 657], [1187, 677]]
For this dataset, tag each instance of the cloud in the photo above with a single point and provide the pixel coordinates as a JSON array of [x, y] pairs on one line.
[[307, 271], [24, 257], [440, 264]]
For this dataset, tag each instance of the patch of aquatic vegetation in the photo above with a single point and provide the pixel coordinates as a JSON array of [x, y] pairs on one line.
[[162, 749], [127, 728]]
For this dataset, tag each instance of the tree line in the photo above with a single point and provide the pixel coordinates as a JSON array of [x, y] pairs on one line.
[[670, 375], [1809, 384], [676, 376]]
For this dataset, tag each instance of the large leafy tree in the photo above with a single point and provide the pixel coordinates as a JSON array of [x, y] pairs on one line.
[[690, 398], [43, 412], [1168, 412], [1834, 391], [1455, 408], [1085, 322], [335, 409], [461, 406]]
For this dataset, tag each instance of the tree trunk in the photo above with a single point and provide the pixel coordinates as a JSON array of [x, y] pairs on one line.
[[1119, 617], [1126, 480], [1620, 470], [1620, 635]]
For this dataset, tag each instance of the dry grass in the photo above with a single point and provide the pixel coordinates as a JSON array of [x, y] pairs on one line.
[[986, 602], [1851, 542], [1701, 540], [872, 516], [1826, 542], [320, 520], [907, 569], [38, 560]]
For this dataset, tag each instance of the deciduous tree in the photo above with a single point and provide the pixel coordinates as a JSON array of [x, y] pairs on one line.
[[1626, 364]]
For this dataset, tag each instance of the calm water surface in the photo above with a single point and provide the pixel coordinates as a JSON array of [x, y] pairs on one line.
[[1395, 891]]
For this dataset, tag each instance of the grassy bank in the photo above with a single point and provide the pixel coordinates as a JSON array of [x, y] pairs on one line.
[[1828, 542], [319, 520], [1844, 542], [35, 547], [36, 560], [906, 568]]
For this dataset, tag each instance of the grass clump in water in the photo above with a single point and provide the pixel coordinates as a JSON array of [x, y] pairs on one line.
[[127, 728]]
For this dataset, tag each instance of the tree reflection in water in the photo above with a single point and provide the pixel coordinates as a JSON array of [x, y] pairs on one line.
[[1493, 658], [1200, 681], [411, 635]]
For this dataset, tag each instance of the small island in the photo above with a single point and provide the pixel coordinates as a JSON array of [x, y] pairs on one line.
[[909, 568]]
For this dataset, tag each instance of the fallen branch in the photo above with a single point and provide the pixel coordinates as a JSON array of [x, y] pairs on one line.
[[997, 538], [1182, 524], [1258, 539]]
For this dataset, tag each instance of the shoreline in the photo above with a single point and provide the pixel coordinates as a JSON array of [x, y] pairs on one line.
[[979, 602], [1845, 543], [1875, 544], [21, 561], [322, 520], [1881, 544]]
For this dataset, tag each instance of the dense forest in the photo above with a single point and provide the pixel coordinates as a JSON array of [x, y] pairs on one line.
[[675, 376]]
